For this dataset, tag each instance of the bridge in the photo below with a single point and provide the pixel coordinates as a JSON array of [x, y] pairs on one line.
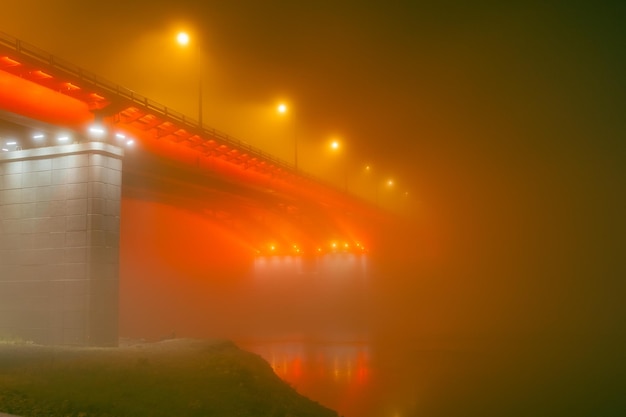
[[87, 171]]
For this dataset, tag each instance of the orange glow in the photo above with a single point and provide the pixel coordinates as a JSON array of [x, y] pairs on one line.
[[296, 368], [172, 264], [9, 62], [206, 154], [298, 249], [503, 121], [71, 87], [41, 75], [182, 38], [23, 97]]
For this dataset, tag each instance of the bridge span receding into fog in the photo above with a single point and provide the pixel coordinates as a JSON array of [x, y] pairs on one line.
[[79, 156]]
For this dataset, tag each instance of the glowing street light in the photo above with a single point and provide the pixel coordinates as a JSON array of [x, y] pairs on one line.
[[283, 109], [183, 39], [387, 184], [335, 146]]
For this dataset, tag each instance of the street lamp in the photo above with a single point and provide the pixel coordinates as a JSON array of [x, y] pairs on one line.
[[183, 40], [283, 109], [389, 184], [335, 146]]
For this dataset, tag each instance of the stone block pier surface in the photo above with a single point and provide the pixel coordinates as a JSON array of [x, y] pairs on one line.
[[59, 244]]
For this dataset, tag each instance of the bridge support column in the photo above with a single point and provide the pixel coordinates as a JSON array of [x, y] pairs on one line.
[[59, 244]]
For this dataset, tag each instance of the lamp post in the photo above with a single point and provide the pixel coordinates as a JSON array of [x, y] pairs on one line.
[[389, 183], [335, 146], [183, 40], [378, 184], [283, 109]]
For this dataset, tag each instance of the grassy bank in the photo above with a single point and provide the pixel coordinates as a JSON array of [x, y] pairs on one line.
[[169, 378]]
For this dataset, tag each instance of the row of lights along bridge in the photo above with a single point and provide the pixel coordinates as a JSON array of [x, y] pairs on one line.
[[95, 132], [39, 138], [184, 39]]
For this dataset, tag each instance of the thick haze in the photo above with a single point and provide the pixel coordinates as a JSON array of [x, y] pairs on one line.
[[504, 121]]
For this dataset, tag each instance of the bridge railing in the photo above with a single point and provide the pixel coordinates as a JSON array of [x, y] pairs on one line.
[[40, 56]]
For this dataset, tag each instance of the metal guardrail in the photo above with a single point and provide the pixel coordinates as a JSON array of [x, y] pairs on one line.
[[39, 55]]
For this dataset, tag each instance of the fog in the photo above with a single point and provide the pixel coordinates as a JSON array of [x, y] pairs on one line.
[[191, 267], [498, 289], [417, 334], [482, 317]]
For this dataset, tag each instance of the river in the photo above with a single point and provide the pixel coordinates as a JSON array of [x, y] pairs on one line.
[[372, 379]]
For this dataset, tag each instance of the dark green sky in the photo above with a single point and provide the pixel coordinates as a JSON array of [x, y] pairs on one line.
[[505, 120]]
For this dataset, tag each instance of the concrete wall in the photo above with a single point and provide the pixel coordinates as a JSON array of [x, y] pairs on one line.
[[59, 244]]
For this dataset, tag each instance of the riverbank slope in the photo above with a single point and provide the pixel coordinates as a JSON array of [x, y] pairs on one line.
[[183, 377]]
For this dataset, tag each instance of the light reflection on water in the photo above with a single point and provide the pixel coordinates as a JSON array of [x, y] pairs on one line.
[[337, 375], [365, 379], [322, 305], [351, 378], [353, 337]]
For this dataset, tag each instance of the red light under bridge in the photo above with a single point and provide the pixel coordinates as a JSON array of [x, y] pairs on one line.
[[273, 207]]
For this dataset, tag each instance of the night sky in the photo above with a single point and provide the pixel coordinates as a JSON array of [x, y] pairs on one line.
[[504, 122]]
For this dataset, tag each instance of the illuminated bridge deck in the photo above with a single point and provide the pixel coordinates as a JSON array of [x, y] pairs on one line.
[[46, 101]]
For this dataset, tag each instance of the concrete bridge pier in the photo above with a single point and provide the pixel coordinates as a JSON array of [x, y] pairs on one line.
[[59, 244]]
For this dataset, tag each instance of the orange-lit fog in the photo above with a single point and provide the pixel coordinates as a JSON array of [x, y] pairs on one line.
[[178, 273], [194, 259], [502, 294]]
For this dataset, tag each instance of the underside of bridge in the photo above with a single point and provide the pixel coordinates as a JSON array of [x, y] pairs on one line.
[[250, 203], [240, 184]]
